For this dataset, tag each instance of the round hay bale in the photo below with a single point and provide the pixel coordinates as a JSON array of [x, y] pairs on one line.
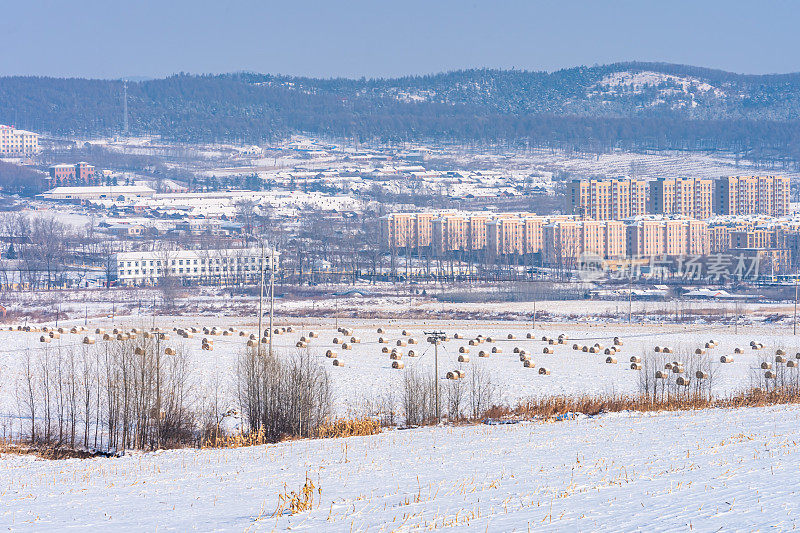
[[551, 341], [106, 337], [657, 349], [683, 381], [791, 363], [264, 340], [753, 343], [398, 365], [472, 342], [251, 342], [169, 351], [303, 338], [88, 340], [463, 349], [511, 336], [460, 373], [206, 340], [490, 339], [766, 366], [769, 374], [547, 350], [411, 353], [54, 335], [412, 340], [617, 341], [380, 330], [666, 350], [208, 347], [636, 366], [337, 340], [677, 369], [400, 343], [609, 351], [701, 375], [330, 354], [455, 335], [797, 355], [138, 351], [780, 359], [346, 346], [289, 329], [147, 335], [99, 331], [529, 335], [611, 360], [355, 340], [452, 375], [584, 348], [593, 349], [780, 352], [737, 350], [544, 338], [385, 349], [661, 374], [576, 347], [396, 356], [635, 359], [544, 371], [463, 358], [527, 363], [516, 349], [382, 340], [44, 338], [339, 362], [523, 351], [301, 344], [726, 359], [496, 349], [524, 357], [483, 353], [699, 351], [405, 333]]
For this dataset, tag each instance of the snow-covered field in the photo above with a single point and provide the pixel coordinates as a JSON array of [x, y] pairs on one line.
[[731, 470], [368, 377]]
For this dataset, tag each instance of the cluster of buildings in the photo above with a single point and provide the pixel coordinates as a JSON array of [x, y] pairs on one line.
[[564, 239], [619, 199], [17, 143]]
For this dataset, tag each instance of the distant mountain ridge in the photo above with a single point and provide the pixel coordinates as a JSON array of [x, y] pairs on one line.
[[624, 105]]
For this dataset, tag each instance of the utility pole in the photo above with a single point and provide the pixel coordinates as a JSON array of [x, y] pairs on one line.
[[534, 314], [260, 301], [794, 322], [435, 337], [271, 295]]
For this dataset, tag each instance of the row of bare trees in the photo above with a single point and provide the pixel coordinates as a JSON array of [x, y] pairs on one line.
[[121, 395]]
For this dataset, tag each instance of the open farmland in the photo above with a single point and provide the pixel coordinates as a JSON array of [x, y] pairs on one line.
[[367, 377], [710, 470]]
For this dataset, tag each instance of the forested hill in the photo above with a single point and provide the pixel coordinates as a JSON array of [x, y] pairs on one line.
[[642, 105]]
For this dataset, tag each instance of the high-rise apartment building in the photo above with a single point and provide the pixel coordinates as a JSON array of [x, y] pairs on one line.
[[608, 199], [751, 195], [690, 197]]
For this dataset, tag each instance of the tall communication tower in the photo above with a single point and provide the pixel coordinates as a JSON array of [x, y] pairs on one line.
[[125, 107]]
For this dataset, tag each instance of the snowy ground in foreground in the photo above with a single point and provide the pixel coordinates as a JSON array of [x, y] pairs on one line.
[[729, 469]]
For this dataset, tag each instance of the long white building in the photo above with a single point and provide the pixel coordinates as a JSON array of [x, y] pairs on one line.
[[230, 266]]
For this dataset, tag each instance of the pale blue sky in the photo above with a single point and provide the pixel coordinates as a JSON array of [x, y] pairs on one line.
[[353, 38]]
